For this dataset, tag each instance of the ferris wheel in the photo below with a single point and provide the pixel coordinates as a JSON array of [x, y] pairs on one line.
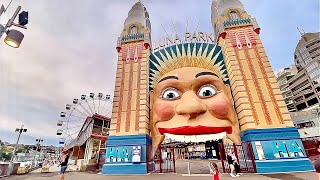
[[76, 114]]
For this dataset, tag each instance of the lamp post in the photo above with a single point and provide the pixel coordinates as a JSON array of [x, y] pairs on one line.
[[20, 131], [39, 141], [15, 37]]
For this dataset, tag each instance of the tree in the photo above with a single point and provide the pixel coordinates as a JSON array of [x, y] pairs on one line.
[[6, 156]]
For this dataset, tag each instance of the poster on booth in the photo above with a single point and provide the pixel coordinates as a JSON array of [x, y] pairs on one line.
[[136, 154]]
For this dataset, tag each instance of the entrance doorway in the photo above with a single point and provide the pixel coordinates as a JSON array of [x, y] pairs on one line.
[[244, 154], [164, 160]]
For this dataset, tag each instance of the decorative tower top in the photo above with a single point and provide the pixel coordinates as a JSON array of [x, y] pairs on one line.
[[220, 6], [138, 14], [230, 14], [137, 27]]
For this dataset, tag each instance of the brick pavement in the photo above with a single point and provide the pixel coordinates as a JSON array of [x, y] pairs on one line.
[[90, 176]]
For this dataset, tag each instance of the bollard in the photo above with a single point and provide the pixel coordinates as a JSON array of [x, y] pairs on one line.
[[189, 173]]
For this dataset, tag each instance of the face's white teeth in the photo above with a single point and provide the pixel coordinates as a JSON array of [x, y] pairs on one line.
[[196, 138]]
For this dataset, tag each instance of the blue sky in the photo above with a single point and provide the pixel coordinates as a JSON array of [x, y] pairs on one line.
[[69, 50]]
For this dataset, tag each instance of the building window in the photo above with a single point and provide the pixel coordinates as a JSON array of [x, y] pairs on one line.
[[234, 15], [133, 30]]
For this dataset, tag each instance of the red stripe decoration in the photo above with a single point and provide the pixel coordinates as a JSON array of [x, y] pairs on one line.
[[251, 35], [269, 87], [124, 52], [121, 97], [257, 86], [140, 45], [138, 97], [129, 97], [132, 51], [248, 92], [241, 35]]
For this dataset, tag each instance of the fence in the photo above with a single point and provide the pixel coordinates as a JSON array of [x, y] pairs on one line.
[[244, 154], [164, 160]]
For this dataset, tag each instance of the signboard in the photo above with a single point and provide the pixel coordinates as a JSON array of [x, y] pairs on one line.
[[283, 149], [136, 154]]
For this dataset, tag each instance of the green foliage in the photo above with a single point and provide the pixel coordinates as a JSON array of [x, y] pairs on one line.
[[6, 156]]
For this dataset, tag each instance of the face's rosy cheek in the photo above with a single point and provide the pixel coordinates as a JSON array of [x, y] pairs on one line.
[[219, 107], [164, 111]]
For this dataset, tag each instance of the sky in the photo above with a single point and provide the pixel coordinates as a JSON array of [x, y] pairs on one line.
[[69, 50]]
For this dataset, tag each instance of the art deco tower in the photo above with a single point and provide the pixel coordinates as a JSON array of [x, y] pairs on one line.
[[128, 144], [130, 111], [263, 116]]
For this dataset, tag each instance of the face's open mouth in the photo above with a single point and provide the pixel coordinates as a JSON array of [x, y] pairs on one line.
[[195, 133]]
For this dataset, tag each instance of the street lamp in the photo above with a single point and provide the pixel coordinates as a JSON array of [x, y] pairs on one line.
[[39, 141], [20, 131], [15, 37]]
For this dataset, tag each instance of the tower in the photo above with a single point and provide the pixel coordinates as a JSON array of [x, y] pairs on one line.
[[128, 144], [262, 114]]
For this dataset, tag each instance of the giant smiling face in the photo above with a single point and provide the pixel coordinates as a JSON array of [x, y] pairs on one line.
[[192, 104]]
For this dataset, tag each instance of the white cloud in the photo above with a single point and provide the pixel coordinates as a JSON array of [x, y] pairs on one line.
[[37, 129]]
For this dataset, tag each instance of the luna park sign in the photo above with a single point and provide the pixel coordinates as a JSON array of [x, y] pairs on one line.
[[196, 37]]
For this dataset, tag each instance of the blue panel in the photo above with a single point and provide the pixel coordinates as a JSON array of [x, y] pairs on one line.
[[133, 140], [125, 168], [290, 165], [269, 134], [119, 154], [280, 149], [123, 154]]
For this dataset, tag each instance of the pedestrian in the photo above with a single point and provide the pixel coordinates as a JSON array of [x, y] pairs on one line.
[[64, 164], [233, 164], [215, 170]]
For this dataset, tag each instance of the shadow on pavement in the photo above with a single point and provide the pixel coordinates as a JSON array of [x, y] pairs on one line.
[[283, 176]]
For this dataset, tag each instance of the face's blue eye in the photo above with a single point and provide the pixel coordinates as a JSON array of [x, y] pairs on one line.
[[170, 94], [207, 91]]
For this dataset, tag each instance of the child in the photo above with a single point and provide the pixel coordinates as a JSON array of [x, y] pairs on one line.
[[215, 170]]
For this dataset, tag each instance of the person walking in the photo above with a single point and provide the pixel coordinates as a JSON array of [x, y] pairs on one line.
[[64, 164], [214, 169], [234, 166]]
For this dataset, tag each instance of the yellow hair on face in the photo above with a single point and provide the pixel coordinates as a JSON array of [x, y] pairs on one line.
[[202, 55]]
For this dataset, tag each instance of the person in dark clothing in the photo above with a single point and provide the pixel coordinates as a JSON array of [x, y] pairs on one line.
[[64, 164], [234, 166]]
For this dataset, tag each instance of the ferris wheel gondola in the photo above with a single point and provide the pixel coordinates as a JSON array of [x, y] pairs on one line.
[[75, 115]]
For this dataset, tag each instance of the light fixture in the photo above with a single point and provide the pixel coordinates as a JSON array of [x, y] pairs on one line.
[[14, 38]]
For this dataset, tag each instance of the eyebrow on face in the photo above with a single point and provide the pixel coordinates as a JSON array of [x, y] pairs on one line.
[[206, 73], [169, 77]]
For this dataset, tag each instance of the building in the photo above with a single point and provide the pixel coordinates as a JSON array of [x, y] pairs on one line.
[[236, 57], [301, 89], [308, 123], [283, 75], [306, 85], [307, 55], [304, 91]]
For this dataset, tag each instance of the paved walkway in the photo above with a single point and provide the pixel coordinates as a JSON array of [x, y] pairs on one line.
[[87, 176]]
